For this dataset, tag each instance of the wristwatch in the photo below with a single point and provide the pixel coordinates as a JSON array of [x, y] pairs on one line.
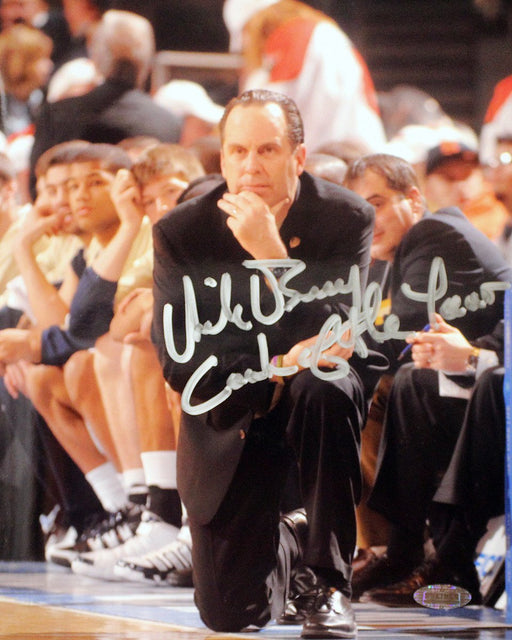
[[472, 362]]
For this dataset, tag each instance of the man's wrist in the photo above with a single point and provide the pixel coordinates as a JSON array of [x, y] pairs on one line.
[[130, 227], [26, 243], [35, 346], [277, 362]]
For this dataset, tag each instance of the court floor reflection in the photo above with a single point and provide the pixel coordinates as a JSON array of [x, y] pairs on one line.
[[43, 601]]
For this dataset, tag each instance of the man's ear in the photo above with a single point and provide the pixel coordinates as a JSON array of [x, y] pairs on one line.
[[222, 163], [417, 201], [300, 155]]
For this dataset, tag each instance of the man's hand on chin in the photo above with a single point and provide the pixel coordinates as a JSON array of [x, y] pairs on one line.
[[254, 223]]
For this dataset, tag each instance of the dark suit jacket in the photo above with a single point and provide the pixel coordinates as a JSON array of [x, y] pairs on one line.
[[109, 113], [470, 260], [327, 227], [56, 27]]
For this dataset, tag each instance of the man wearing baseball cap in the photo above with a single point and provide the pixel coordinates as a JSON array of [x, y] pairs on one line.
[[454, 177]]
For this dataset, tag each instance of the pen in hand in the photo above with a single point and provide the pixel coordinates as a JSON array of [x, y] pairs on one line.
[[409, 346]]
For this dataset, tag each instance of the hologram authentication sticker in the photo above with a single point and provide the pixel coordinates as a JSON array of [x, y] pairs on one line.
[[442, 596]]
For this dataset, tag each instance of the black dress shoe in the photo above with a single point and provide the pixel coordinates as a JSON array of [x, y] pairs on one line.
[[378, 571], [297, 523], [330, 615], [302, 578], [401, 594], [302, 596], [297, 609]]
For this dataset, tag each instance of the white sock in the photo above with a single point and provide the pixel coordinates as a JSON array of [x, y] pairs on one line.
[[134, 481], [106, 486], [160, 468], [94, 438]]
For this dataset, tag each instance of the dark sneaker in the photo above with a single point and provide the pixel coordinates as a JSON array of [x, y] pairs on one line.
[[401, 594], [114, 530]]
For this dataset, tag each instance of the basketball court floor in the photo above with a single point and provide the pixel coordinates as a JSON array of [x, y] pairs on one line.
[[41, 601]]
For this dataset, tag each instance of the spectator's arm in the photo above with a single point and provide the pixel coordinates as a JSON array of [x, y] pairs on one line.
[[48, 305]]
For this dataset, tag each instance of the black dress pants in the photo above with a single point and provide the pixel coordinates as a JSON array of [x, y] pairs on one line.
[[243, 558], [420, 433], [475, 478]]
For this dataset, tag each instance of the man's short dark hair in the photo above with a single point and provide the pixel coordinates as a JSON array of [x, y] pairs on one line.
[[262, 97], [200, 186], [398, 173], [166, 159], [62, 153], [110, 156]]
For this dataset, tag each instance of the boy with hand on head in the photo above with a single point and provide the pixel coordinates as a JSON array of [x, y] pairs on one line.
[[158, 177]]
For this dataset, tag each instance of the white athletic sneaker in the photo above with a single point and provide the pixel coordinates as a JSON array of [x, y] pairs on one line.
[[60, 539], [114, 530], [170, 565], [152, 533]]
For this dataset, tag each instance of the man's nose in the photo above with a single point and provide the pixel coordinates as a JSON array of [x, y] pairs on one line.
[[161, 205], [61, 197], [81, 191], [252, 161], [462, 188]]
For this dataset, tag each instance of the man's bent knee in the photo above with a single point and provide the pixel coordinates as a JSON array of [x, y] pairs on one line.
[[41, 380], [77, 372], [231, 618]]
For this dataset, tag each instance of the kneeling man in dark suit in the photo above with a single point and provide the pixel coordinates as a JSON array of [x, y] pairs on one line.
[[254, 282]]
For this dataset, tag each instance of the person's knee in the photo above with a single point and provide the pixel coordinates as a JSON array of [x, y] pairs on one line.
[[227, 601], [408, 377], [312, 392], [39, 382], [490, 382], [219, 620], [229, 617], [78, 370]]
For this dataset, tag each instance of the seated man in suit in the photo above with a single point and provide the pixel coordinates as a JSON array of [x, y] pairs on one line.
[[437, 262], [432, 428], [219, 317]]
